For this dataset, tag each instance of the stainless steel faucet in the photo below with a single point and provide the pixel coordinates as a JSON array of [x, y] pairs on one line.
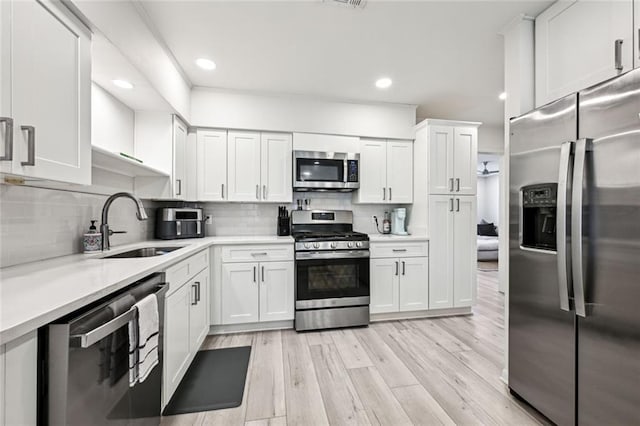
[[104, 227]]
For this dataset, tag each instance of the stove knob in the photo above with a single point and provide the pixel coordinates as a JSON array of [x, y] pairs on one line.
[[359, 244], [350, 244], [334, 245], [307, 245], [316, 245]]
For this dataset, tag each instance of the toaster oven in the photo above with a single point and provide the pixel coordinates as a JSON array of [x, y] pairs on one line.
[[176, 223]]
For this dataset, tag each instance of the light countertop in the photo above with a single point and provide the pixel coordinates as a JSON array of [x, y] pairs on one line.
[[377, 238], [34, 294]]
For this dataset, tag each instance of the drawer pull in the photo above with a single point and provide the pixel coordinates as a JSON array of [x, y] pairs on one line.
[[399, 250], [260, 254]]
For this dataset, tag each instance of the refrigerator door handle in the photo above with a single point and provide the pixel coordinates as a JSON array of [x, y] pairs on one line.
[[582, 146], [563, 256]]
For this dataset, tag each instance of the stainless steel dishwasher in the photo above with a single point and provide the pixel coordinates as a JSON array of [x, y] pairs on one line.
[[84, 369]]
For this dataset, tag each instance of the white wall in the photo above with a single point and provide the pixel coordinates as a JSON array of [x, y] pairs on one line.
[[239, 110], [491, 139], [111, 122], [488, 199]]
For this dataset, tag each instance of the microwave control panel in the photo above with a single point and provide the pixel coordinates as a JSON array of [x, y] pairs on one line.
[[352, 170]]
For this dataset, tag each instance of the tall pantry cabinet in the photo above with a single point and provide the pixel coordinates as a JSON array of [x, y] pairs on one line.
[[446, 155]]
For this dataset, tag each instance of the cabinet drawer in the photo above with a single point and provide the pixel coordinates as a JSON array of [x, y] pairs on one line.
[[180, 273], [257, 253], [400, 249]]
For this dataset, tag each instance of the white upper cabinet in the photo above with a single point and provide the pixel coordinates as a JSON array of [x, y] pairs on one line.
[[276, 167], [581, 43], [259, 167], [179, 159], [386, 172], [373, 166], [211, 167], [244, 166], [46, 91], [400, 172], [453, 159]]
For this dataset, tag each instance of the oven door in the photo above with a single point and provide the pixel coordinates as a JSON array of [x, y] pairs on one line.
[[332, 275]]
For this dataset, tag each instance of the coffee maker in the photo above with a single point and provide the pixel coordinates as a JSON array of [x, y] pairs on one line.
[[398, 217]]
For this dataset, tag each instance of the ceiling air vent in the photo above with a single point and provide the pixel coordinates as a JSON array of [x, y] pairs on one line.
[[353, 3]]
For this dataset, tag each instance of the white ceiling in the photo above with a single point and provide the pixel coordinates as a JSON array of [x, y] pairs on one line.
[[444, 56]]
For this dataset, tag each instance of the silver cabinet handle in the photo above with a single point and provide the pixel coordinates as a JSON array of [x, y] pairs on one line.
[[390, 194], [397, 267], [618, 54], [450, 184], [222, 191], [197, 291], [563, 256], [8, 139], [264, 253], [195, 294], [262, 274], [638, 42], [403, 268], [450, 204], [457, 184], [257, 192], [179, 183], [264, 192], [384, 194], [399, 250], [254, 273], [31, 145], [457, 204], [582, 146]]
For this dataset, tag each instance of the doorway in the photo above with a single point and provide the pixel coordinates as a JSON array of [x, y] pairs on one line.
[[488, 211]]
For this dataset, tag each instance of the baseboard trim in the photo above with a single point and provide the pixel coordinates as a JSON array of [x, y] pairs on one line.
[[388, 316], [246, 328]]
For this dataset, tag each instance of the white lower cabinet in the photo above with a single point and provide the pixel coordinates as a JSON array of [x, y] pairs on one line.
[[19, 381], [399, 284], [257, 292], [186, 321], [452, 276]]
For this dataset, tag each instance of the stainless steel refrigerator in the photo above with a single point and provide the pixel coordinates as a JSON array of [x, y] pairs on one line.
[[574, 253]]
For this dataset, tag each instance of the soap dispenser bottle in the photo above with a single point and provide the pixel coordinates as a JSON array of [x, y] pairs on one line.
[[92, 240]]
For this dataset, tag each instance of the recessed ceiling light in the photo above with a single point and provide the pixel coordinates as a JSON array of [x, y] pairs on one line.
[[123, 84], [206, 64], [502, 96], [383, 83]]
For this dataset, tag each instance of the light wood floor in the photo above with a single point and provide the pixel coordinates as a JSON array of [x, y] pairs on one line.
[[424, 372]]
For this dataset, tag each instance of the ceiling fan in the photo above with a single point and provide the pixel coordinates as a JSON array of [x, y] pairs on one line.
[[486, 172]]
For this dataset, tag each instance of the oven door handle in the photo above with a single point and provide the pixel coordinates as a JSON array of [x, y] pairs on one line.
[[339, 254]]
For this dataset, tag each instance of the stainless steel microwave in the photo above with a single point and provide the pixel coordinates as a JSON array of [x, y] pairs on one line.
[[325, 171]]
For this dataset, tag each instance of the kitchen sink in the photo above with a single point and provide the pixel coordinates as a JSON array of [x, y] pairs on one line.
[[144, 252]]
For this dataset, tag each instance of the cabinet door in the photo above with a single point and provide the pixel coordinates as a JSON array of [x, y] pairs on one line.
[[276, 291], [464, 252], [373, 171], [50, 92], [211, 165], [240, 293], [440, 159], [199, 312], [575, 45], [21, 381], [440, 251], [244, 166], [400, 172], [414, 283], [177, 345], [179, 159], [276, 167], [5, 90], [384, 285], [465, 160]]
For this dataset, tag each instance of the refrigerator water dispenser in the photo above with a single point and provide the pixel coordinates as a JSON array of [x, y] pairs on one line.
[[539, 216]]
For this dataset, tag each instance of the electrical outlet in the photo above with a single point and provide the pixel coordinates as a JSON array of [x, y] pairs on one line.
[[208, 219]]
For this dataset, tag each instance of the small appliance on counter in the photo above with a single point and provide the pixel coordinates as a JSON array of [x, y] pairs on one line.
[[398, 218], [176, 223], [284, 222]]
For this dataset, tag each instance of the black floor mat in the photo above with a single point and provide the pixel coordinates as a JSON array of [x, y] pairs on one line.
[[214, 380]]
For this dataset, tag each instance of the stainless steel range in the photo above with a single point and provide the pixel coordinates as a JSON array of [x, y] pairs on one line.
[[332, 270]]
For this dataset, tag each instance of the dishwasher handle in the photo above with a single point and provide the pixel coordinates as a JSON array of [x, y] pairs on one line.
[[92, 337]]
